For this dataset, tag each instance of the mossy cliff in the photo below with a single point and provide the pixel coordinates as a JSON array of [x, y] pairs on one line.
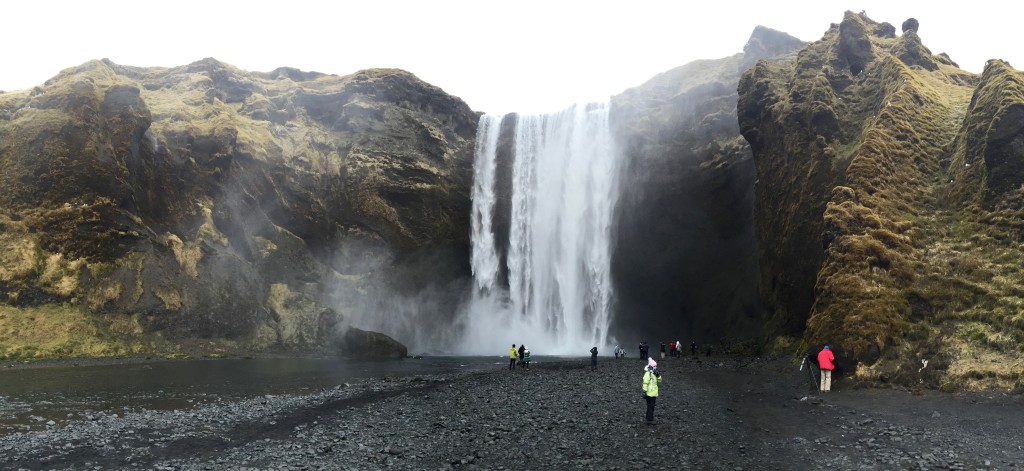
[[887, 205], [684, 250], [246, 210]]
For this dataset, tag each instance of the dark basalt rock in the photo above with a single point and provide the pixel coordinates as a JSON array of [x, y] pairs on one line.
[[911, 25], [688, 188], [356, 343], [222, 204]]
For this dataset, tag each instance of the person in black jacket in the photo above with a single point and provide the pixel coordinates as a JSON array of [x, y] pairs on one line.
[[593, 358]]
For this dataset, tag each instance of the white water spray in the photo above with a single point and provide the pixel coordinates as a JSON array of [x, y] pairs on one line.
[[564, 189]]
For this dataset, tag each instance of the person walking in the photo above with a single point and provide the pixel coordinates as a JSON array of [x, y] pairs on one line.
[[693, 348], [522, 348], [593, 358], [512, 357], [652, 378], [662, 350], [679, 348], [826, 365], [641, 347], [526, 357], [671, 349]]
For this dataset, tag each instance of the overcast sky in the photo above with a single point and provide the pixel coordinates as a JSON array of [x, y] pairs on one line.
[[521, 55]]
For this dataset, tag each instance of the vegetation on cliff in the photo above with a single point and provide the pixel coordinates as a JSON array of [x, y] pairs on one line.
[[251, 210], [876, 222]]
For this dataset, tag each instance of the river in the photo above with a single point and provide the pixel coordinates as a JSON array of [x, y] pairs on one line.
[[32, 397]]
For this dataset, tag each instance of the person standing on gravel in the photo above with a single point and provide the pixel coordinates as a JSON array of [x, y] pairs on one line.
[[825, 359], [593, 358], [512, 357], [662, 350], [526, 357], [522, 349], [652, 378]]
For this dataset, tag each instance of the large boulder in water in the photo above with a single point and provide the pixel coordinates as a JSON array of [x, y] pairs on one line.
[[357, 343]]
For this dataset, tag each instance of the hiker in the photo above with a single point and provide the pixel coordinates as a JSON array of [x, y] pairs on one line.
[[679, 347], [662, 350], [593, 358], [526, 357], [512, 357], [522, 348], [641, 347], [618, 351], [693, 348], [671, 349], [825, 359], [652, 378]]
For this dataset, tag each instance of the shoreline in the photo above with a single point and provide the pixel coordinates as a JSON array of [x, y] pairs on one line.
[[727, 413]]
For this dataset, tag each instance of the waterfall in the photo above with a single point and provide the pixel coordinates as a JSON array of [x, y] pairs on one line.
[[558, 295], [484, 259]]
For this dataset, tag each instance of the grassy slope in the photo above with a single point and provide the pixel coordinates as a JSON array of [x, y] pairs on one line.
[[910, 274]]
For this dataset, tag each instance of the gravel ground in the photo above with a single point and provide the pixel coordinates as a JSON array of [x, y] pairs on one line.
[[716, 414]]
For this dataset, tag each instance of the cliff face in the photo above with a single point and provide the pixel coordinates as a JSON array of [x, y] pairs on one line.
[[886, 205], [684, 261], [157, 205]]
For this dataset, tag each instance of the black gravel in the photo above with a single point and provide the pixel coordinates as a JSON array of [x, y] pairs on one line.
[[724, 414]]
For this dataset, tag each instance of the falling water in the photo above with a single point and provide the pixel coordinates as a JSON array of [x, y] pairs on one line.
[[484, 256], [564, 188]]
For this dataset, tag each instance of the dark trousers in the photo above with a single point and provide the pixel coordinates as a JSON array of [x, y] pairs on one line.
[[593, 363], [511, 363], [650, 407]]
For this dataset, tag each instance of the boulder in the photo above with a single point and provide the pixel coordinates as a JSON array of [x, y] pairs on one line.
[[362, 344]]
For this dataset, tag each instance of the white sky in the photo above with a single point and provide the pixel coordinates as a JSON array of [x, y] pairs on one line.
[[518, 55]]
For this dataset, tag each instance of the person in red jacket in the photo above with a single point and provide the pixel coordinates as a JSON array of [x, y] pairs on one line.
[[825, 359]]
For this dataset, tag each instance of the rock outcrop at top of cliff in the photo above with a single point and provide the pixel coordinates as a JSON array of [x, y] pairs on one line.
[[888, 205], [147, 207]]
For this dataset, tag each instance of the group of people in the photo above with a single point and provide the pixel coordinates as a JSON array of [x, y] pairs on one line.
[[672, 349], [652, 377], [520, 357]]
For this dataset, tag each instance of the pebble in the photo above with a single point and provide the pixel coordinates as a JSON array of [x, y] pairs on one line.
[[513, 421]]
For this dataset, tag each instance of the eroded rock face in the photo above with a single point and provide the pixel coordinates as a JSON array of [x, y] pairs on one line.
[[205, 201], [684, 261], [873, 164], [911, 24]]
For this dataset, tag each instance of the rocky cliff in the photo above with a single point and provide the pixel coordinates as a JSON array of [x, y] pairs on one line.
[[147, 209], [887, 205], [685, 262]]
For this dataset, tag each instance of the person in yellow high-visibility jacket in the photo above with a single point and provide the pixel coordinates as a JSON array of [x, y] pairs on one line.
[[652, 378], [512, 357]]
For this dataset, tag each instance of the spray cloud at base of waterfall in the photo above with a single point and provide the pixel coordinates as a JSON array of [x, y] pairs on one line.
[[412, 299], [549, 282]]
